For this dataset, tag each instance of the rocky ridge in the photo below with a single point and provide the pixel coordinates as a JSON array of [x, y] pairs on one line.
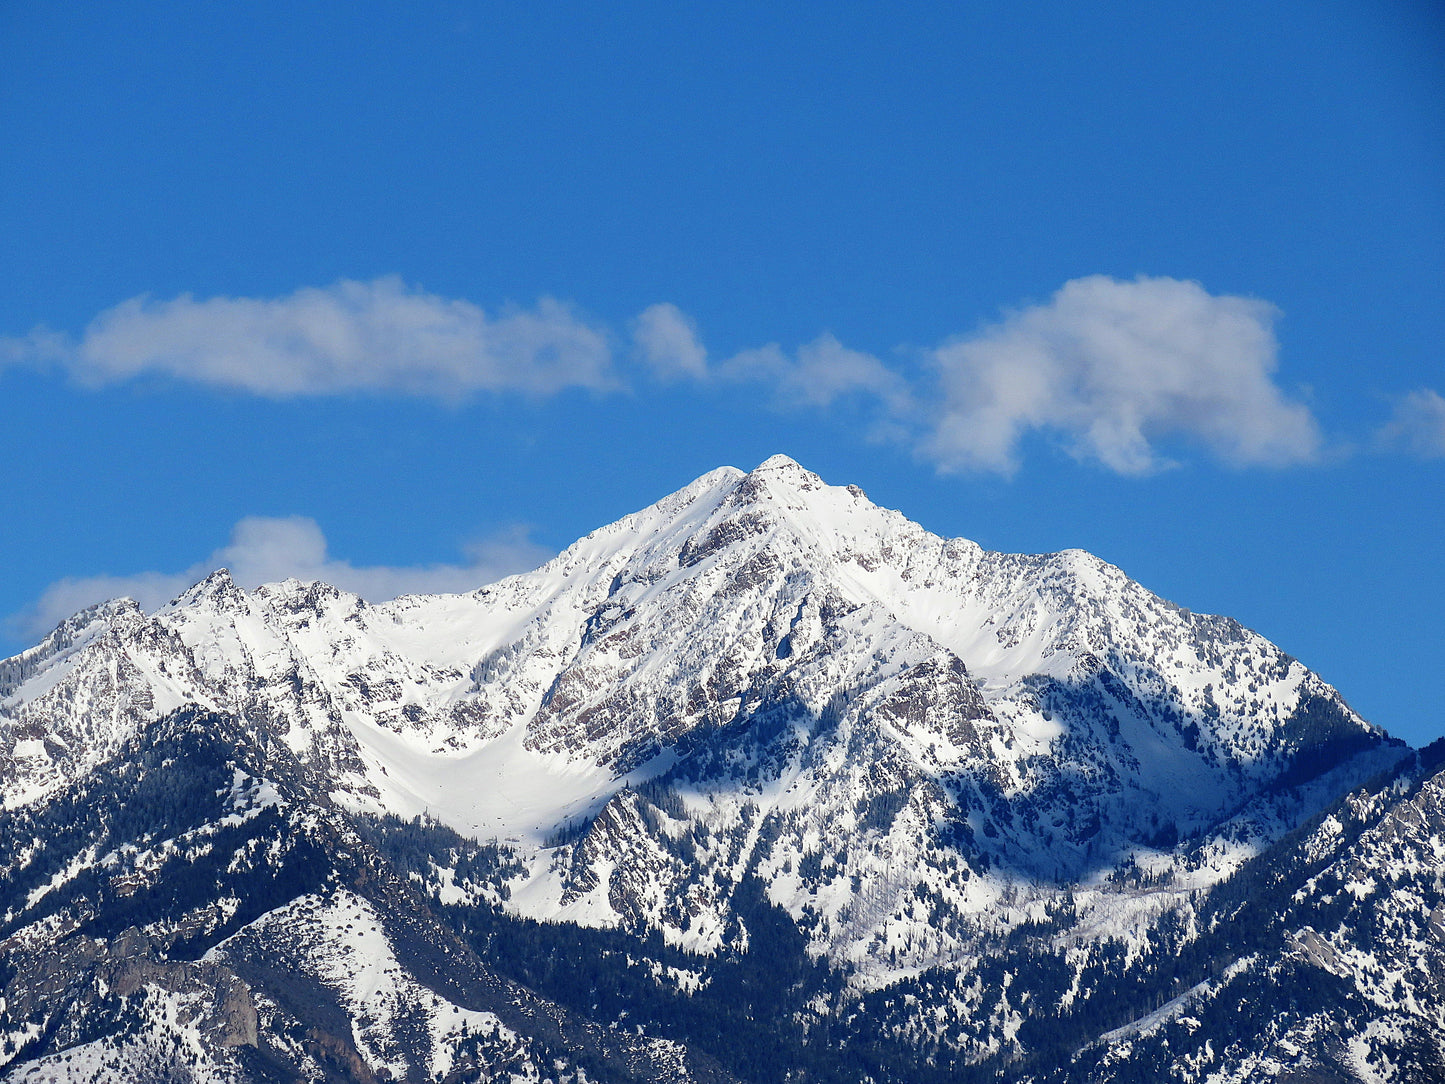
[[762, 712]]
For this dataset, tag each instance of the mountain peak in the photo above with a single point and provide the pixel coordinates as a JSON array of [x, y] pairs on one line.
[[781, 464], [918, 788], [782, 469], [218, 587]]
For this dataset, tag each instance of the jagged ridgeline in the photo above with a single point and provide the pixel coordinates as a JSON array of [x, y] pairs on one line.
[[762, 783]]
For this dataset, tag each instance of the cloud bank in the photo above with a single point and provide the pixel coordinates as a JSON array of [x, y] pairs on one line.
[[265, 549], [1113, 368], [378, 336], [1124, 374]]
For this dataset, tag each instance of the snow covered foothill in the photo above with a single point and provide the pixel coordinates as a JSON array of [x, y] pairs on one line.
[[340, 942]]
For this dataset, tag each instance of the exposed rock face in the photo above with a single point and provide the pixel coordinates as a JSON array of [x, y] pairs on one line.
[[762, 751], [84, 987], [225, 1013]]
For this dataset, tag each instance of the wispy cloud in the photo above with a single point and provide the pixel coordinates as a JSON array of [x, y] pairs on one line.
[[1115, 368], [666, 340], [1122, 373], [378, 336], [266, 549], [1417, 425], [820, 373]]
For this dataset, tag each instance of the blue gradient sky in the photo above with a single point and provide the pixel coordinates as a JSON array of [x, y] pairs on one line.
[[901, 178]]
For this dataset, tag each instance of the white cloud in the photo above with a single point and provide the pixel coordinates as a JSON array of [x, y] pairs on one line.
[[817, 375], [666, 339], [1122, 372], [41, 347], [266, 549], [353, 336], [822, 372], [1418, 424], [1115, 367]]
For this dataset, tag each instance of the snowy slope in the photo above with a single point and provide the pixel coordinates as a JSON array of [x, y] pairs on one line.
[[642, 631], [775, 646], [760, 692]]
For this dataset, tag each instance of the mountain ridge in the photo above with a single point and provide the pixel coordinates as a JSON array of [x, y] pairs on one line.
[[761, 703]]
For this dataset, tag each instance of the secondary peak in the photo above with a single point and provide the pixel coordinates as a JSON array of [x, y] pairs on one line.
[[779, 463], [782, 468]]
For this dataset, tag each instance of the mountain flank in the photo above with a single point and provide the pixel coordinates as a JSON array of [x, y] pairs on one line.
[[760, 783]]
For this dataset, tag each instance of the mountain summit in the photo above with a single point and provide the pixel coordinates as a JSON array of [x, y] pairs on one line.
[[760, 712]]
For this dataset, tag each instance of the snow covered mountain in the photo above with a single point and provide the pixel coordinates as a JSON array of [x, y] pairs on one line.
[[763, 750]]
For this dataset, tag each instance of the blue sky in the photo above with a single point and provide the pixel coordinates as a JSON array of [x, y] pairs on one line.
[[409, 297]]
